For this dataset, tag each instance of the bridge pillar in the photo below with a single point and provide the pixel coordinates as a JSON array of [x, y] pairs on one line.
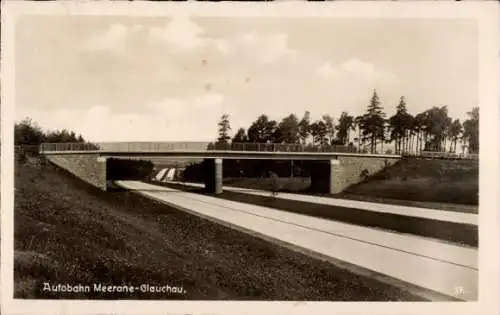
[[326, 176], [213, 175]]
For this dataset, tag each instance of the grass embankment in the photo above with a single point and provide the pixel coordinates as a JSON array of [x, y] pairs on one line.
[[69, 232], [464, 234], [444, 181]]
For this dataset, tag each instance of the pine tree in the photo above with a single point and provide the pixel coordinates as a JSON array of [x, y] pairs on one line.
[[224, 128], [401, 125], [240, 136], [305, 127], [373, 122]]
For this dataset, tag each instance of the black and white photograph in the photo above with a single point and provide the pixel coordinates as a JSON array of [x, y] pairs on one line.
[[280, 153]]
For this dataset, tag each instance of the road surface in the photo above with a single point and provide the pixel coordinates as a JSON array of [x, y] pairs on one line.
[[449, 216], [445, 268]]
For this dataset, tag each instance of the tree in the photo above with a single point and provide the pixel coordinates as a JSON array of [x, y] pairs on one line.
[[436, 122], [240, 136], [287, 130], [471, 130], [319, 132], [224, 127], [346, 124], [419, 128], [454, 134], [360, 139], [28, 132], [373, 122], [401, 125], [305, 127], [382, 136], [262, 130], [330, 128]]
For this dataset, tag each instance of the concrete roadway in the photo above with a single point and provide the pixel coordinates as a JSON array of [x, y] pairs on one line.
[[406, 261], [449, 216]]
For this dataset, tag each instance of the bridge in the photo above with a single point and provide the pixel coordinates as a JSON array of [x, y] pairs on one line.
[[331, 171]]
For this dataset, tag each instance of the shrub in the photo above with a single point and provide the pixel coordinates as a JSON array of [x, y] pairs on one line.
[[275, 183], [364, 174]]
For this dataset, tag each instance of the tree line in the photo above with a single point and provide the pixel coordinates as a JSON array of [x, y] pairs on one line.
[[28, 132], [430, 130]]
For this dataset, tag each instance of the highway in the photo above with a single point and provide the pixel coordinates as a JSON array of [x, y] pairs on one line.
[[449, 269], [449, 216]]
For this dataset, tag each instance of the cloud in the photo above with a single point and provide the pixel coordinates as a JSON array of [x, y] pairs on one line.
[[267, 48], [358, 67], [180, 33], [354, 69], [167, 120], [172, 78], [183, 35], [208, 100], [366, 70], [222, 46], [327, 70], [248, 38], [189, 105], [114, 39], [275, 47]]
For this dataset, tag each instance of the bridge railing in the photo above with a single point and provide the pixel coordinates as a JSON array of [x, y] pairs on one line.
[[279, 147], [70, 146], [165, 146], [124, 146], [151, 146], [235, 146], [441, 155]]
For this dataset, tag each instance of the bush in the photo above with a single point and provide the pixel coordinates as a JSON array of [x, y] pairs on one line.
[[275, 183], [364, 174]]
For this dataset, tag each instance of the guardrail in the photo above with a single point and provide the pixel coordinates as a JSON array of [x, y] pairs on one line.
[[442, 155], [279, 147], [151, 146], [161, 146], [236, 146], [47, 147]]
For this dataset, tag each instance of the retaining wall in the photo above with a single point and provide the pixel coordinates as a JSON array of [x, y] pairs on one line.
[[352, 167], [88, 167], [336, 175]]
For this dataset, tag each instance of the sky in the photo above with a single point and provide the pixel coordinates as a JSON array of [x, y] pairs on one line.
[[131, 78]]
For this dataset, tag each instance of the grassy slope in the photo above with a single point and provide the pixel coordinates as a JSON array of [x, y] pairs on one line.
[[446, 181], [66, 231]]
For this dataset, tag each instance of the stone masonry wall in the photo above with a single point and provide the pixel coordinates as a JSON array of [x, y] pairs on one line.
[[87, 167], [351, 168]]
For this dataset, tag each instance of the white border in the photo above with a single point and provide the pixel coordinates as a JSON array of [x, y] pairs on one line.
[[485, 12]]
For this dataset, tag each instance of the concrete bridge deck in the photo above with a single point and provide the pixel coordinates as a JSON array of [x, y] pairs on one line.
[[219, 154], [428, 268]]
